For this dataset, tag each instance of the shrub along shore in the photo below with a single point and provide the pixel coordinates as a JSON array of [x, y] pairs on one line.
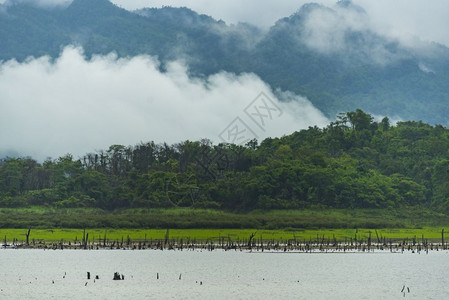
[[81, 218]]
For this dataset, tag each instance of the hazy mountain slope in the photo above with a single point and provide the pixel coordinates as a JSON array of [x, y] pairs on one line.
[[26, 30], [329, 55], [357, 69]]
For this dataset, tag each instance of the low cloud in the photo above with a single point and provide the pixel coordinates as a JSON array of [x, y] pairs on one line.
[[325, 29], [74, 105], [405, 19], [346, 29]]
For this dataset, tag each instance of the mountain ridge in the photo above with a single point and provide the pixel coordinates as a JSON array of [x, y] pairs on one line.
[[314, 52]]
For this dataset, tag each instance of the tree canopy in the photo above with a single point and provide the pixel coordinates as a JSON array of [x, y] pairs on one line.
[[354, 162]]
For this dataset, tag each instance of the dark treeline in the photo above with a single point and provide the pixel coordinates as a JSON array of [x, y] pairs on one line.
[[352, 163]]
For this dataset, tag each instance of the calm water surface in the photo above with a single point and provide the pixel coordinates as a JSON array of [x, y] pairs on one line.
[[29, 274]]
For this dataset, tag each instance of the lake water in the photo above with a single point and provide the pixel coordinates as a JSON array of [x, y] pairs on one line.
[[29, 274]]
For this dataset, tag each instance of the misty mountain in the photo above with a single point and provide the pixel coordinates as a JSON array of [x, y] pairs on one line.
[[330, 55]]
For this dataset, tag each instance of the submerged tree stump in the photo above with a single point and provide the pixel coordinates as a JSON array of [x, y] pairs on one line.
[[117, 276]]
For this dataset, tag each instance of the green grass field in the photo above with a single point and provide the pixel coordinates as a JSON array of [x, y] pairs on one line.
[[429, 233]]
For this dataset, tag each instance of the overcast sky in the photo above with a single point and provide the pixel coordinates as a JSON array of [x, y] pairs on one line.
[[425, 19]]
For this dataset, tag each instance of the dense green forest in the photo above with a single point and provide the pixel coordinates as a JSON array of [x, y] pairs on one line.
[[367, 70], [354, 162]]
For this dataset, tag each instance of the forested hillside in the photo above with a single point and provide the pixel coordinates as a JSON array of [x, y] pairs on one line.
[[354, 162], [339, 66]]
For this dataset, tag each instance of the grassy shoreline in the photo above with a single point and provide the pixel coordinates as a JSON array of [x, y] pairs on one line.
[[215, 235], [51, 224]]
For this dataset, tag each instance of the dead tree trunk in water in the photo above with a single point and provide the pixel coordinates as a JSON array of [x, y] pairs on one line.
[[369, 241], [28, 237], [442, 239], [251, 239], [84, 235], [85, 241], [167, 237], [377, 235]]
